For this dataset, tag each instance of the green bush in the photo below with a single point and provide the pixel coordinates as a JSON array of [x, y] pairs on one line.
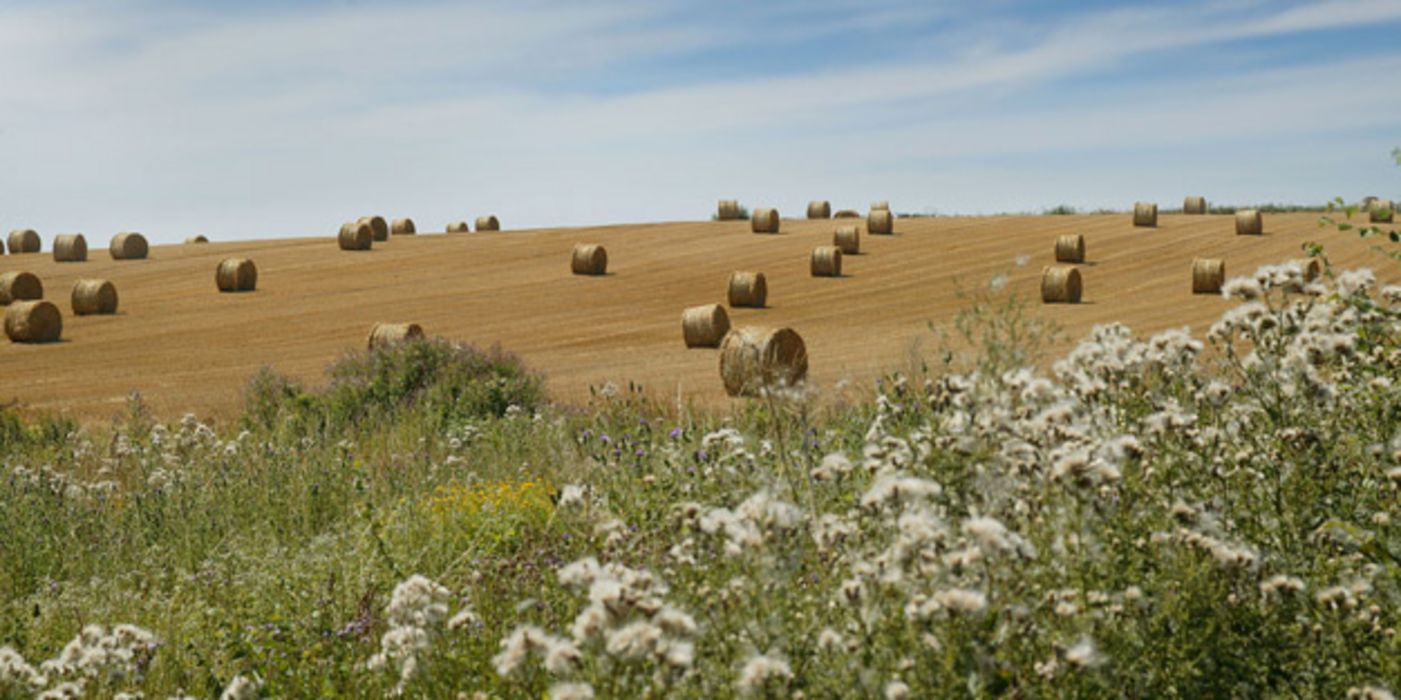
[[438, 380]]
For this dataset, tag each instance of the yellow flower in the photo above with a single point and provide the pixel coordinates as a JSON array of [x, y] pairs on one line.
[[501, 497]]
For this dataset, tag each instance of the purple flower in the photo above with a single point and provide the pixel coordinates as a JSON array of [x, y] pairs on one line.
[[605, 439], [675, 433]]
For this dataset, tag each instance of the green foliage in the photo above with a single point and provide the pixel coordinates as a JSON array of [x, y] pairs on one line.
[[1368, 230], [994, 331], [743, 214], [1062, 210], [432, 379], [1147, 519]]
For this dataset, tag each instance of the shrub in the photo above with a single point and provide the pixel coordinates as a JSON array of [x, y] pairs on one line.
[[439, 380]]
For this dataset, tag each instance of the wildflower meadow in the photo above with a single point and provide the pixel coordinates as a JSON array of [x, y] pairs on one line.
[[1181, 515]]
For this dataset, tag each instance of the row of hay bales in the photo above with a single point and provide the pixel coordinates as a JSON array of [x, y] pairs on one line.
[[31, 319], [1249, 222], [362, 233], [1063, 284], [73, 247], [880, 220], [754, 358]]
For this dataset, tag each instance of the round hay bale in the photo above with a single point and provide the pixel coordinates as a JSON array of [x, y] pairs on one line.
[[356, 235], [826, 261], [24, 240], [1311, 267], [403, 227], [847, 214], [33, 322], [129, 246], [1249, 223], [488, 223], [882, 205], [383, 335], [196, 239], [748, 289], [727, 210], [704, 326], [1070, 248], [1208, 274], [764, 221], [18, 285], [819, 209], [236, 275], [589, 259], [378, 225], [880, 222], [752, 359], [848, 238], [1145, 214], [1194, 205], [70, 247], [94, 297], [459, 227], [1382, 211], [1060, 284]]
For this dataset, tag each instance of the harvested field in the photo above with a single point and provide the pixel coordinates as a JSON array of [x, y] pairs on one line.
[[185, 346]]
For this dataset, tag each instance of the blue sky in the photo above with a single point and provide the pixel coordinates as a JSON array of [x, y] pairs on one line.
[[263, 119]]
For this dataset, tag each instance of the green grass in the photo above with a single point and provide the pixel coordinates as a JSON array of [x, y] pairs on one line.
[[1130, 525]]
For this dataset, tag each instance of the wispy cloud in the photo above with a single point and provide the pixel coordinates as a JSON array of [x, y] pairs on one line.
[[252, 121]]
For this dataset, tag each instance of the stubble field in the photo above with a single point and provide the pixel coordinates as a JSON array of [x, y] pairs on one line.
[[186, 347]]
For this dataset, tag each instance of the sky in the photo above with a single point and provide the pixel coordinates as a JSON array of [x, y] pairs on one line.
[[260, 119]]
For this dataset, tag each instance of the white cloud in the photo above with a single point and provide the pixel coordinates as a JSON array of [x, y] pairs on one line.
[[278, 122]]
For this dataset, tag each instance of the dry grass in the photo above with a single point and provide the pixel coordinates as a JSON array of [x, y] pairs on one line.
[[752, 359], [18, 285], [748, 290], [826, 261], [172, 340], [1249, 222], [1060, 284], [386, 334], [236, 275], [129, 246], [1145, 214], [589, 259], [704, 326], [848, 238], [764, 221], [356, 235], [36, 321], [1208, 274], [24, 240], [91, 296], [70, 247], [880, 222], [1070, 248]]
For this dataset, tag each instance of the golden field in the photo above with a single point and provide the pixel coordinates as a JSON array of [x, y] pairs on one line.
[[187, 347]]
